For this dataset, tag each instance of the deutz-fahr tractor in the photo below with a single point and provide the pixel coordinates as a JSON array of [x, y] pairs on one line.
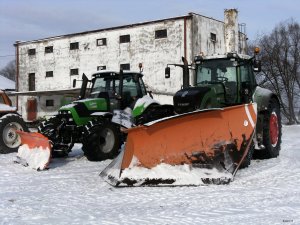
[[96, 118], [228, 80]]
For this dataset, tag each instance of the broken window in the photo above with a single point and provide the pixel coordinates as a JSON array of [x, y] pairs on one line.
[[213, 37], [101, 67], [125, 38], [161, 34], [31, 51], [49, 102], [31, 82], [125, 66], [49, 73], [74, 71], [101, 42], [74, 45], [49, 49]]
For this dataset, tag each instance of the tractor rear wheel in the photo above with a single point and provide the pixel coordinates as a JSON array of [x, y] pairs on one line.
[[271, 131], [101, 142], [9, 139]]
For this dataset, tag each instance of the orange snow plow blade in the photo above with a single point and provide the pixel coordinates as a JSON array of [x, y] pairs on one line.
[[35, 150], [189, 149]]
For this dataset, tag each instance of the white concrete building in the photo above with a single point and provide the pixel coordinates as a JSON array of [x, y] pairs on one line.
[[52, 63]]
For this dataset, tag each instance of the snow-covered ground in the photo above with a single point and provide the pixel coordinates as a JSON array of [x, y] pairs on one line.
[[71, 192]]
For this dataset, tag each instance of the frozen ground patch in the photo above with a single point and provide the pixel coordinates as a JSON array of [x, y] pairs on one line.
[[71, 192]]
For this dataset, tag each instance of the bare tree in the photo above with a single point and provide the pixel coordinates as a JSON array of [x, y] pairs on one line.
[[280, 55], [9, 70]]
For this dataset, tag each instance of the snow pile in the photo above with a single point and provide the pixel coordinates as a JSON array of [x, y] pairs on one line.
[[183, 175], [35, 158], [4, 107]]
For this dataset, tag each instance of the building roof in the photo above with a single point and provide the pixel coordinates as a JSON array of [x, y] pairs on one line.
[[6, 84], [189, 16]]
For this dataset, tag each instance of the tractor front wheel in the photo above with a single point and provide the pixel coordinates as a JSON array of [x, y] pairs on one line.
[[9, 139], [101, 142]]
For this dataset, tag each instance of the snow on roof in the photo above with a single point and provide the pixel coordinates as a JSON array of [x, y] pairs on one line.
[[5, 83]]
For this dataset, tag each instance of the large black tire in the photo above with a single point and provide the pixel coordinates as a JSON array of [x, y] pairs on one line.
[[9, 139], [102, 141], [271, 131]]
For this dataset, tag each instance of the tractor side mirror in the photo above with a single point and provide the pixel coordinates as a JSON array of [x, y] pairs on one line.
[[167, 72], [257, 66], [74, 83]]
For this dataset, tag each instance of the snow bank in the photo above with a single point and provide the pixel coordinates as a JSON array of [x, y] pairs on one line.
[[35, 158]]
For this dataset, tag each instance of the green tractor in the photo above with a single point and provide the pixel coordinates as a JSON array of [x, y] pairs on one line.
[[227, 80], [107, 103]]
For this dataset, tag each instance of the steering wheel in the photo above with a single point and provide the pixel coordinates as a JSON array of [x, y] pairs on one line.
[[222, 79]]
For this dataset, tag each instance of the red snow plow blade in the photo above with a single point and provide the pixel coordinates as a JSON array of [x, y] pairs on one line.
[[189, 149], [35, 150]]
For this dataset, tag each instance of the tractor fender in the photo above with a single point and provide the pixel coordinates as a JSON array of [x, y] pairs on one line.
[[262, 97], [142, 104]]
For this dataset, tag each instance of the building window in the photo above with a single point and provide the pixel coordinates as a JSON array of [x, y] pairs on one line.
[[49, 73], [213, 37], [31, 82], [31, 51], [101, 67], [161, 34], [49, 49], [74, 45], [125, 66], [74, 72], [125, 38], [101, 42], [49, 102]]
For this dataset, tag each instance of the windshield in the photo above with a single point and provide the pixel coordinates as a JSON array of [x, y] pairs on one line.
[[110, 84], [216, 71], [105, 84]]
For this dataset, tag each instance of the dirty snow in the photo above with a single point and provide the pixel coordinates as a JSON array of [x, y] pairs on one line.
[[71, 192]]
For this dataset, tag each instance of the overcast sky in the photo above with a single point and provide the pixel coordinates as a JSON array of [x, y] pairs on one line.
[[34, 19]]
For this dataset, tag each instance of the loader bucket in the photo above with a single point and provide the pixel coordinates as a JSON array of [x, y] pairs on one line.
[[35, 150], [196, 148]]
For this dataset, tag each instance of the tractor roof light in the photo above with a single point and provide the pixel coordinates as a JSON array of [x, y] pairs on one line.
[[198, 59]]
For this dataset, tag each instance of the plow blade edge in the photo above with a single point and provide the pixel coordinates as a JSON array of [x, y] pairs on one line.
[[196, 148], [35, 150]]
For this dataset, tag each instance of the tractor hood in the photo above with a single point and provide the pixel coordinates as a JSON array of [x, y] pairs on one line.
[[189, 99]]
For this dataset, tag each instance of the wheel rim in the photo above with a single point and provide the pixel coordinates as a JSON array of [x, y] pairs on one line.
[[274, 129], [10, 137], [107, 140]]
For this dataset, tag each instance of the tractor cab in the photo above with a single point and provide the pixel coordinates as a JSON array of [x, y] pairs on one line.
[[230, 77], [118, 89]]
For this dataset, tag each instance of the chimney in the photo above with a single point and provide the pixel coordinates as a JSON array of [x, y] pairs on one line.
[[231, 30]]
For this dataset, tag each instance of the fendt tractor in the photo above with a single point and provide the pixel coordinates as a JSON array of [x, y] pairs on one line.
[[228, 80], [96, 118], [216, 127]]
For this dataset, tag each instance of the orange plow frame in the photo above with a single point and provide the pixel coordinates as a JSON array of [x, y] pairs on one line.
[[216, 138]]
